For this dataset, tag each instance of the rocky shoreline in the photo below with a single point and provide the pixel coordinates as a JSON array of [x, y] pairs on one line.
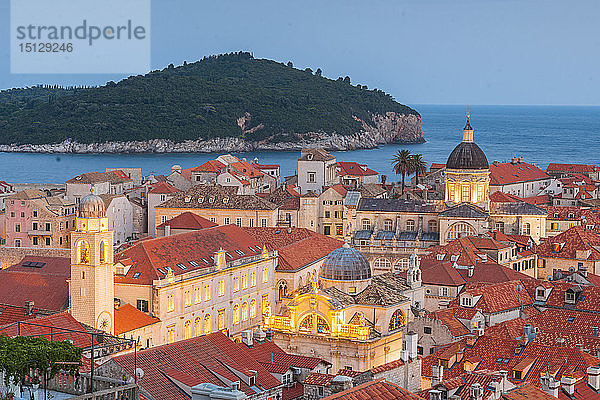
[[383, 129]]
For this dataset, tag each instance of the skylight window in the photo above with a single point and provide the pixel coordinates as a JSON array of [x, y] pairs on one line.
[[182, 266], [204, 260], [162, 271], [240, 252], [570, 319], [136, 275], [228, 255], [194, 264]]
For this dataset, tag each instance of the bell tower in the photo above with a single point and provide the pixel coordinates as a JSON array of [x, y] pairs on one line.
[[91, 288]]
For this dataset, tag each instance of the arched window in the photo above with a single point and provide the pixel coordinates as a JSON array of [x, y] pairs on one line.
[[410, 225], [388, 225], [322, 325], [460, 229], [402, 264], [198, 326], [253, 308], [84, 252], [236, 314], [102, 252], [307, 324], [366, 224], [526, 228], [432, 226], [245, 311], [398, 320], [299, 281], [207, 324], [187, 330], [382, 263], [282, 292]]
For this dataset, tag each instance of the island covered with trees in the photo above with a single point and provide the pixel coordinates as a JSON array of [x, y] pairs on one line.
[[250, 102]]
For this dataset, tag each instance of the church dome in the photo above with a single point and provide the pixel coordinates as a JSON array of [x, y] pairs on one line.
[[92, 206], [467, 155], [346, 264]]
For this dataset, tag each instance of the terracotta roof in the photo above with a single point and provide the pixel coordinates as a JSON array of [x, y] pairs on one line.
[[339, 188], [352, 168], [542, 199], [188, 220], [318, 379], [115, 176], [507, 173], [569, 168], [497, 297], [267, 352], [435, 166], [295, 390], [266, 166], [163, 188], [209, 166], [450, 318], [129, 318], [461, 384], [587, 300], [297, 247], [501, 197], [247, 169], [317, 154], [193, 250], [566, 244], [203, 359], [216, 197], [10, 314], [379, 389], [441, 273]]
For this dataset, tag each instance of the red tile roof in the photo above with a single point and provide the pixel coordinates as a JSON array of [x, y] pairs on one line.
[[435, 166], [188, 220], [163, 188], [566, 244], [379, 389], [569, 168], [501, 197], [293, 391], [247, 169], [297, 247], [129, 318], [152, 257], [497, 297], [268, 352], [542, 199], [507, 173], [266, 166], [10, 314], [209, 166], [450, 318], [318, 379], [203, 359], [352, 168]]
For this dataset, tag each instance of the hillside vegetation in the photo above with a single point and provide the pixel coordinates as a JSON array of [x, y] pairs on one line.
[[231, 95]]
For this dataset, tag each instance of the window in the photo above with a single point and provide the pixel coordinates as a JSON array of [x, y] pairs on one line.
[[312, 177], [263, 222], [388, 225], [265, 274], [251, 222], [163, 218], [207, 324], [197, 295], [221, 319], [427, 330], [352, 290], [252, 278], [35, 213], [17, 242], [187, 298], [17, 227], [444, 292], [500, 226], [238, 221], [170, 303], [226, 221], [465, 192], [382, 263], [339, 230], [265, 303], [397, 321], [327, 230], [402, 264], [466, 301], [170, 334], [432, 226], [570, 297], [253, 308], [526, 228], [460, 229], [236, 283], [236, 314], [198, 326], [207, 292], [327, 214], [366, 224], [35, 240], [142, 305], [221, 287], [47, 227], [213, 219], [47, 241], [187, 330], [244, 281], [410, 225]]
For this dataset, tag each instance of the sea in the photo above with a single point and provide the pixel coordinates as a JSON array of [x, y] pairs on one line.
[[539, 134]]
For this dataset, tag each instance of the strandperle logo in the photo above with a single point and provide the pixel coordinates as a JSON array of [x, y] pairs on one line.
[[80, 36], [84, 31]]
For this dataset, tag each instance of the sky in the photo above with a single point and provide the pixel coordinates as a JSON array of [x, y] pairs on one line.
[[419, 51]]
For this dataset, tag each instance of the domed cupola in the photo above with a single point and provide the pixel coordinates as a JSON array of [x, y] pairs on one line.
[[467, 155], [92, 206], [347, 269], [467, 174]]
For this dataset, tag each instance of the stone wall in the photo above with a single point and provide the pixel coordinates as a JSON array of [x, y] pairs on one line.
[[12, 255]]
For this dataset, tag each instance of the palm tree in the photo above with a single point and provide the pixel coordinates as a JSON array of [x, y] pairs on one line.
[[402, 164], [418, 166]]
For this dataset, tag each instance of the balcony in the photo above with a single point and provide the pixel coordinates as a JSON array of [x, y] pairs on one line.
[[39, 232]]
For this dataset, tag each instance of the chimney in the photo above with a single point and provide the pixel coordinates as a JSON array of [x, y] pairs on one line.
[[247, 337], [568, 384], [404, 356], [514, 160], [411, 339], [383, 179], [476, 392], [167, 230], [583, 271], [29, 304], [595, 330], [503, 381], [594, 377], [471, 269], [437, 374]]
